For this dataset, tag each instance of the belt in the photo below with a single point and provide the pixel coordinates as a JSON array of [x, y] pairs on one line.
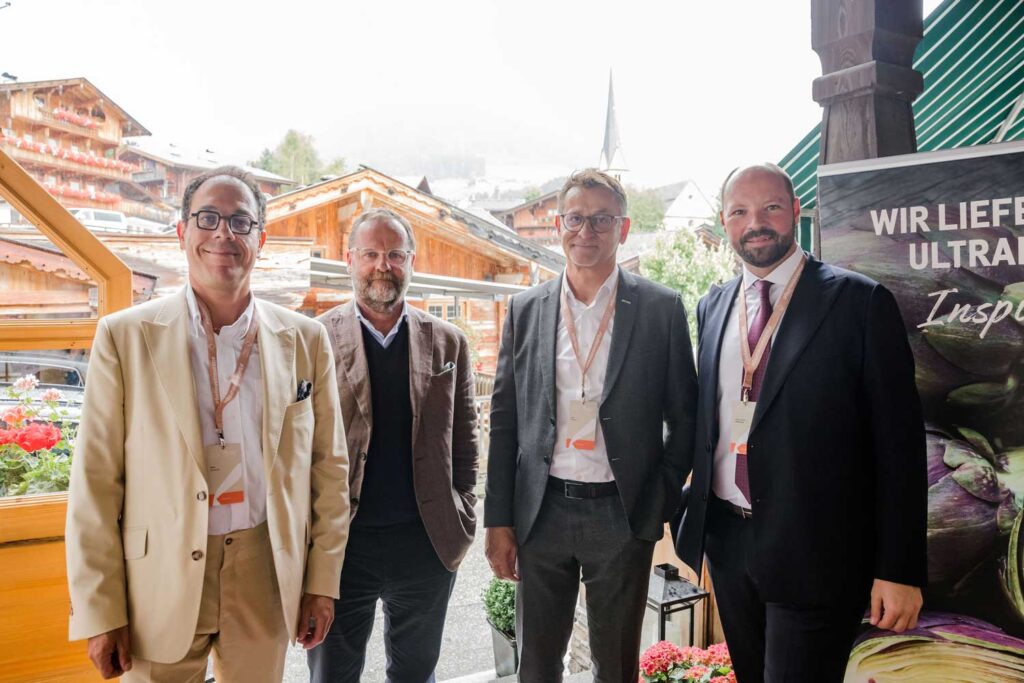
[[578, 490], [732, 508]]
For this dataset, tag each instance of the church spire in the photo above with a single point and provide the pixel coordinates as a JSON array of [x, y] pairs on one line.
[[612, 160]]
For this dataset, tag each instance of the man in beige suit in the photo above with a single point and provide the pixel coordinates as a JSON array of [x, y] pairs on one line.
[[209, 494], [407, 397]]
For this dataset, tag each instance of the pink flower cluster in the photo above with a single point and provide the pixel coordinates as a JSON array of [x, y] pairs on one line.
[[665, 662]]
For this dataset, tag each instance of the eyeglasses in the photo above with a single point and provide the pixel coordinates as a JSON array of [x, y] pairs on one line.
[[396, 257], [599, 222], [210, 220]]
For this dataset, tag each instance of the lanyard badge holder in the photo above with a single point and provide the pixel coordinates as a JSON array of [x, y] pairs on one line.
[[743, 409], [582, 428], [224, 471]]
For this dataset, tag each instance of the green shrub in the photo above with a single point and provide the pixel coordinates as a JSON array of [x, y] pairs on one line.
[[500, 605]]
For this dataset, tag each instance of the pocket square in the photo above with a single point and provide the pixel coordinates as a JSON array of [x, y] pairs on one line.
[[446, 368], [304, 390]]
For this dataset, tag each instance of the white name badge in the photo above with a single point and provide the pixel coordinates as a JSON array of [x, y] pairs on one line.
[[224, 474], [739, 429], [582, 428]]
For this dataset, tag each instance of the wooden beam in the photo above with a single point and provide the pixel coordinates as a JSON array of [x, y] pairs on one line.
[[868, 81]]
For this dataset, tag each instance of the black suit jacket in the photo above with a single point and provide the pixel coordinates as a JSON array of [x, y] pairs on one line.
[[647, 407], [836, 448]]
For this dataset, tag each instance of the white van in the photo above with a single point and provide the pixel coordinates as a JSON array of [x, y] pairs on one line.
[[101, 219]]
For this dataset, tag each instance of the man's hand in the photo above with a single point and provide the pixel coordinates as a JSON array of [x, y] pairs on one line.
[[501, 548], [110, 654], [316, 612], [895, 606]]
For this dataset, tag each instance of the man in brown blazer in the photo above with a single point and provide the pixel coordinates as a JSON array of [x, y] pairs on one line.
[[208, 508], [407, 400]]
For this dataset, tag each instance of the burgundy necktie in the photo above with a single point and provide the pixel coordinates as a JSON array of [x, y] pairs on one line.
[[757, 326]]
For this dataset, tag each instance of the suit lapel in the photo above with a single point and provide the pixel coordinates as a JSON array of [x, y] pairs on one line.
[[719, 307], [549, 306], [352, 358], [167, 339], [812, 300], [421, 346], [277, 363], [626, 305]]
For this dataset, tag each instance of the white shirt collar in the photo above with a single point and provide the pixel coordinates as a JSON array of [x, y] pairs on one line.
[[606, 287], [779, 276], [384, 339], [241, 324]]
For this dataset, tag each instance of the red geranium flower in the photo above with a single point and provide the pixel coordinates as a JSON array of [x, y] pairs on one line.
[[7, 436], [37, 436]]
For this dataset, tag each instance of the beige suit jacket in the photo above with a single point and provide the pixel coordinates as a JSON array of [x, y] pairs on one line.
[[137, 512], [444, 439]]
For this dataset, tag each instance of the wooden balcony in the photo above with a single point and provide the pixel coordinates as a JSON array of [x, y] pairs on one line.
[[41, 117], [25, 156]]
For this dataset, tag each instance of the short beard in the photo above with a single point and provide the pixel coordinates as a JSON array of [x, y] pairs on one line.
[[371, 297], [766, 256]]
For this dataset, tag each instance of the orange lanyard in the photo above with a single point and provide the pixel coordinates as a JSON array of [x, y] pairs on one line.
[[752, 360], [570, 327], [236, 376]]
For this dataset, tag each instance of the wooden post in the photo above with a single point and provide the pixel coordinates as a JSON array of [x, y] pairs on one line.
[[868, 81]]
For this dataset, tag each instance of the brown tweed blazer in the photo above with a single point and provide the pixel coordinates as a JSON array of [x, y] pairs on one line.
[[444, 439]]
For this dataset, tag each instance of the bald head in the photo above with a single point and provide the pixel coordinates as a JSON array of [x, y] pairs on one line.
[[766, 167]]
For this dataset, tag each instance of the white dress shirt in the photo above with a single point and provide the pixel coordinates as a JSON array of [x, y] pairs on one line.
[[243, 417], [730, 373], [383, 339], [568, 462]]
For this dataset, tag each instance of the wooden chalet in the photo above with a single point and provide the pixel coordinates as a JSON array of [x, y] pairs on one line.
[[165, 169], [40, 281], [66, 134], [534, 219], [467, 263]]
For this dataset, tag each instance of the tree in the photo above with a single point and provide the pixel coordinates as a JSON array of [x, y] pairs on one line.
[[683, 261], [646, 210], [296, 157]]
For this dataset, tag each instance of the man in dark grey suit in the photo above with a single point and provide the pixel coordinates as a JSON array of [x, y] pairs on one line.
[[591, 432]]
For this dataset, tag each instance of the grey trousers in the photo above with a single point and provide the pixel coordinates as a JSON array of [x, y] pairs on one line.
[[588, 538]]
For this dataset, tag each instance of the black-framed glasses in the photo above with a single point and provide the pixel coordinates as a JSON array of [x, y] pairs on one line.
[[599, 222], [396, 257], [240, 224]]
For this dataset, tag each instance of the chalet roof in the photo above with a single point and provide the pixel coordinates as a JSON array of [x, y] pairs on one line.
[[530, 202], [172, 154], [46, 257], [476, 224], [131, 126]]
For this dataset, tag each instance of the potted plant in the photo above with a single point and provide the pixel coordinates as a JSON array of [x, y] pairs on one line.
[[36, 439], [667, 662], [500, 607]]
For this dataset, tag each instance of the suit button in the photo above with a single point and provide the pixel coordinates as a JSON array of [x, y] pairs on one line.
[[552, 419], [362, 455], [197, 554], [708, 448], [229, 541], [355, 501], [547, 459], [201, 495]]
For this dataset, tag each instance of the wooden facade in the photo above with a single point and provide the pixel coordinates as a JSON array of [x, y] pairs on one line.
[[66, 134], [449, 242], [534, 219]]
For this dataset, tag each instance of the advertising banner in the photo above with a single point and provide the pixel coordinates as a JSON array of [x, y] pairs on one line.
[[944, 231]]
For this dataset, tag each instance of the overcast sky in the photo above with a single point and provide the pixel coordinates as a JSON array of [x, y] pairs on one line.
[[699, 85]]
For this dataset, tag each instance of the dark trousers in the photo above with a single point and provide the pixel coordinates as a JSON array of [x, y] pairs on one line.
[[588, 538], [770, 641], [398, 565]]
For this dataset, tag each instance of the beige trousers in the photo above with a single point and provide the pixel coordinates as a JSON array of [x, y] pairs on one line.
[[240, 618]]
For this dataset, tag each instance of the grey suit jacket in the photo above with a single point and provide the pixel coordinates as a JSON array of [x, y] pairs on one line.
[[444, 443], [647, 408]]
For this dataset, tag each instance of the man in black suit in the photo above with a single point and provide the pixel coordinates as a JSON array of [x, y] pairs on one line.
[[809, 489], [591, 433]]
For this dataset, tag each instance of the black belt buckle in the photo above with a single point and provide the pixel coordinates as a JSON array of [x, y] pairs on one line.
[[569, 487]]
